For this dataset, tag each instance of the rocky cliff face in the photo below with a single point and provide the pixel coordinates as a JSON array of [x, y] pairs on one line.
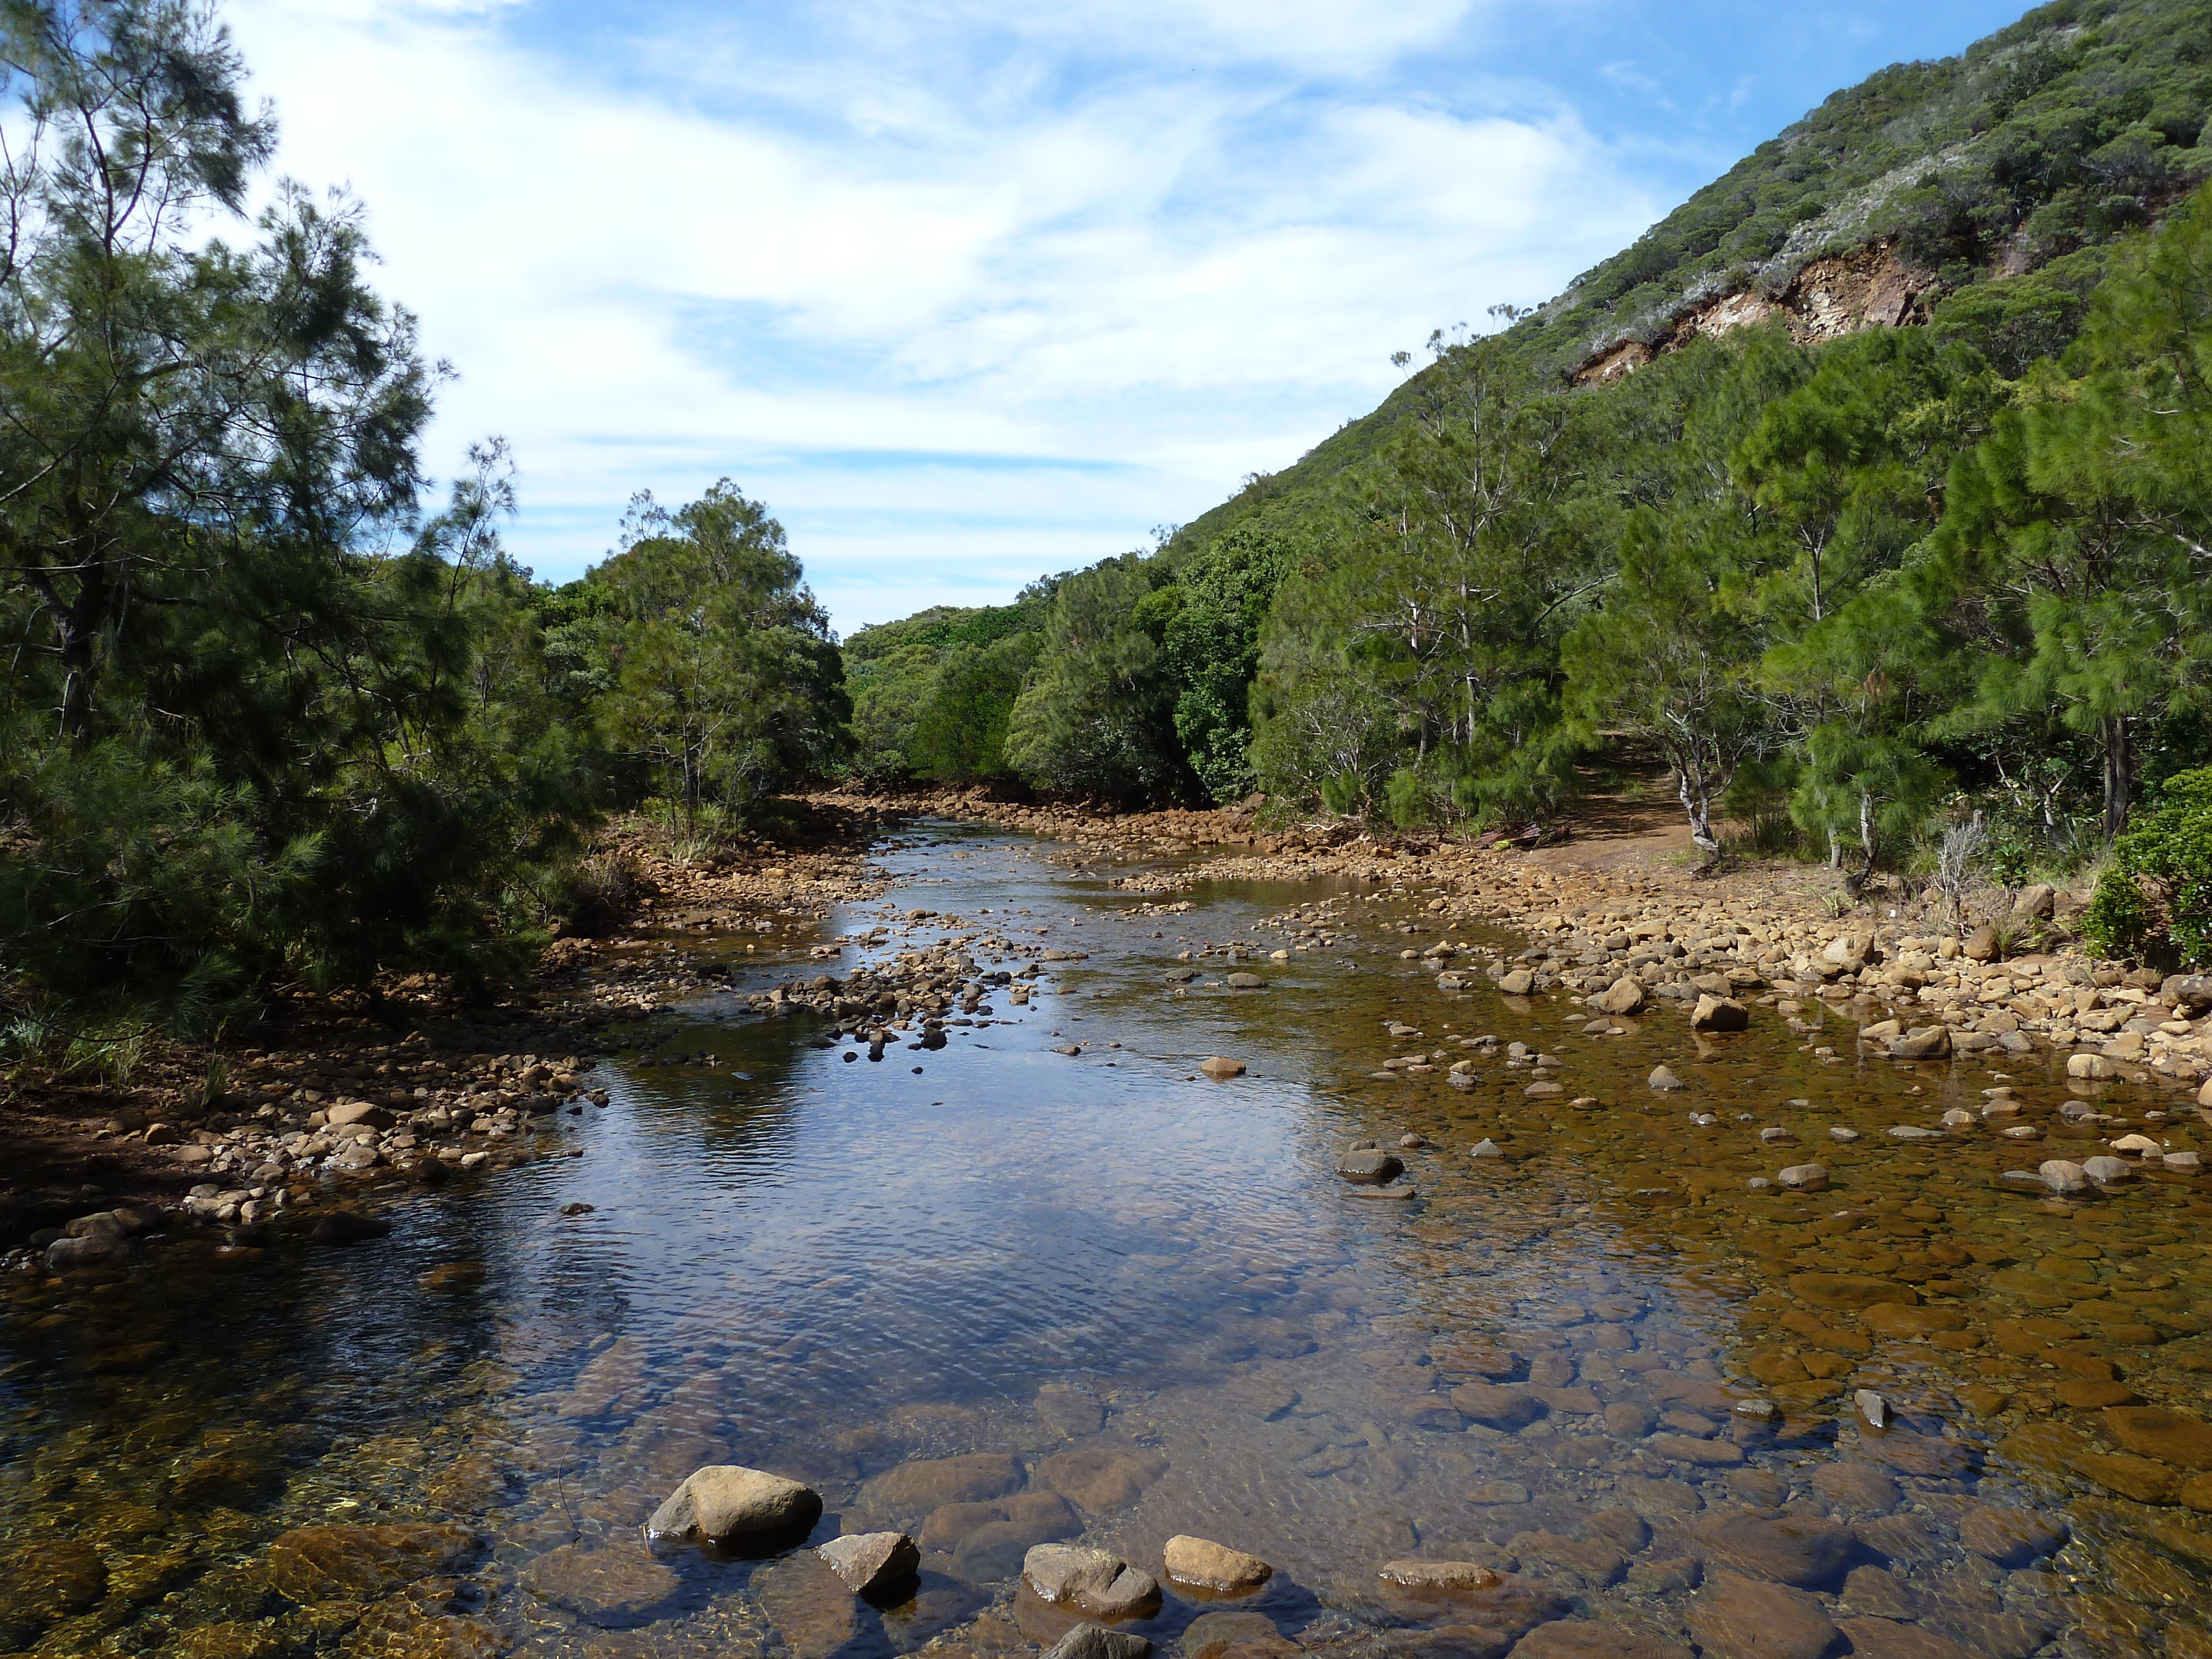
[[1871, 287]]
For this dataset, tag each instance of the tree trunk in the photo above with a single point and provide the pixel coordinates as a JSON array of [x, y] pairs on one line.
[[1697, 801], [2120, 773], [1855, 883]]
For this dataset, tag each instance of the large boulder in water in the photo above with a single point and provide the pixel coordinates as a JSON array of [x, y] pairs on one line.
[[730, 1504]]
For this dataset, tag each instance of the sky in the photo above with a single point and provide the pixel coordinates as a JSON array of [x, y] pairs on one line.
[[969, 291]]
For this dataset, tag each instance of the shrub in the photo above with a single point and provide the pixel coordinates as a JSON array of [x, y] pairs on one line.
[[2155, 899], [602, 890]]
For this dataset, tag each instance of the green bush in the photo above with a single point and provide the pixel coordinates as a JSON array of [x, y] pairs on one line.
[[2156, 897]]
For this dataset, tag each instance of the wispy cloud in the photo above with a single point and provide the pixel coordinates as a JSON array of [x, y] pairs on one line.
[[966, 293]]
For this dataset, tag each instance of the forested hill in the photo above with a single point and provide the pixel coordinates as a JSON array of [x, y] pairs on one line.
[[2032, 149], [1868, 487]]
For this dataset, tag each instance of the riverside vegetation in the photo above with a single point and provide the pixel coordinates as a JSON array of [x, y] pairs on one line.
[[476, 1185]]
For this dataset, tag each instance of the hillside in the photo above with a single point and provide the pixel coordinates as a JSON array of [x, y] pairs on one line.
[[1975, 190]]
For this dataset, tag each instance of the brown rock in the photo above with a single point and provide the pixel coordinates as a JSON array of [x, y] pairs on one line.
[[1738, 1618], [614, 1586], [1793, 1550], [1715, 1014], [1496, 1406], [927, 1483], [730, 1504], [1897, 1319], [1922, 1042], [1221, 1634], [359, 1111], [1502, 1602], [2086, 1395], [1101, 1478], [1090, 1582], [1217, 1065], [1871, 1590], [1882, 1638], [1688, 1448], [2142, 1479], [1443, 1576], [875, 1565], [1855, 1486], [1213, 1568], [1917, 1453], [359, 1564], [1586, 1639], [2011, 1538], [2160, 1431], [1849, 1291], [44, 1581], [1623, 996], [1597, 1565]]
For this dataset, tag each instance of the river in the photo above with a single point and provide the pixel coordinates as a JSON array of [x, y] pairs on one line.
[[995, 1294]]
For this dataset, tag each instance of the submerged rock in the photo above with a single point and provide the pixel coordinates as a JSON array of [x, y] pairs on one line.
[[349, 1227], [336, 1563]]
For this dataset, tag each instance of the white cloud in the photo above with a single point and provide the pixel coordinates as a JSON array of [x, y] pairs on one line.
[[824, 264]]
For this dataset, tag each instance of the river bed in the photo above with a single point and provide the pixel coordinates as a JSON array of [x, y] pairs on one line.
[[994, 1294]]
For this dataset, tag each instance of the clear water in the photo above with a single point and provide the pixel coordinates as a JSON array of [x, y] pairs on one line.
[[1149, 1289]]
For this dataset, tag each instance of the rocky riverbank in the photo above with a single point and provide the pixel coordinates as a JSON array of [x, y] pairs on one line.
[[325, 1099], [1597, 920]]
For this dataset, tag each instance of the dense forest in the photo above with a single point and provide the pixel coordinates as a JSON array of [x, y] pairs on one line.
[[281, 712]]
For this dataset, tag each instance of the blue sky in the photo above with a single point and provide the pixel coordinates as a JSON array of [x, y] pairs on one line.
[[970, 292]]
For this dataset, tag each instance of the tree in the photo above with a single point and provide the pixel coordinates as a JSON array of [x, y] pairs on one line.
[[1208, 623], [1671, 658], [1462, 552], [726, 675], [258, 728], [1096, 716], [1844, 469], [2080, 532]]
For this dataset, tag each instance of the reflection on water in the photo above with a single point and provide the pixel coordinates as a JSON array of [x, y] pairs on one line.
[[994, 1295]]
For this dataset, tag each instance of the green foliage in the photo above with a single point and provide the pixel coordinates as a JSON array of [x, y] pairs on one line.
[[1096, 717], [2154, 898], [725, 679], [266, 724], [934, 693], [1461, 553]]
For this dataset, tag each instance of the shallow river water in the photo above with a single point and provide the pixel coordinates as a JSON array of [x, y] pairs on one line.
[[993, 1294]]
